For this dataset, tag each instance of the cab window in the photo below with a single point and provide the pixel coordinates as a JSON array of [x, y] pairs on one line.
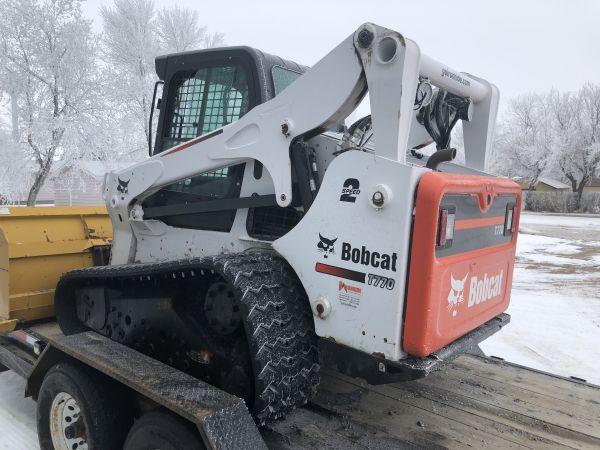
[[205, 100], [282, 78], [220, 184]]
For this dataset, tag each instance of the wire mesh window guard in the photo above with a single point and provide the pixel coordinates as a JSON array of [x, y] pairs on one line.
[[207, 100]]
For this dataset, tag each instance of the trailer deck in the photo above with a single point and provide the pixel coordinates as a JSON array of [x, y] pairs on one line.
[[474, 402]]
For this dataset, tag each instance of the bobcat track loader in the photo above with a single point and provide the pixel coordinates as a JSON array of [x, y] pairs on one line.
[[258, 242]]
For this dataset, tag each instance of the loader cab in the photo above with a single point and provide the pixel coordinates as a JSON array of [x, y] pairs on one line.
[[208, 89], [203, 91]]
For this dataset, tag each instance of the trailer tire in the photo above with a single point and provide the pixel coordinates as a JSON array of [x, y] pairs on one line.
[[71, 390], [162, 430]]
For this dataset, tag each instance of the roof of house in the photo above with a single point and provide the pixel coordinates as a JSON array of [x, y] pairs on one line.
[[97, 169], [556, 184]]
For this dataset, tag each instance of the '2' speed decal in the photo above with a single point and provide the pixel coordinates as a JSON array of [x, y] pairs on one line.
[[350, 190]]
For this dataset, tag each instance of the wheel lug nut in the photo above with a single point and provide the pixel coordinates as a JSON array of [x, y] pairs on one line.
[[70, 432]]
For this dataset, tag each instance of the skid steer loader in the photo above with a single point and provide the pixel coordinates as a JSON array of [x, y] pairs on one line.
[[259, 241]]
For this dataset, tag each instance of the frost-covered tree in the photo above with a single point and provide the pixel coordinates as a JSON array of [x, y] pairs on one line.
[[12, 163], [577, 122], [129, 48], [178, 30], [48, 57], [555, 133], [134, 34], [524, 142]]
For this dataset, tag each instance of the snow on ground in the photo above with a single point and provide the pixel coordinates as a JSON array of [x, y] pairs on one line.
[[555, 311], [576, 221], [17, 415], [555, 304]]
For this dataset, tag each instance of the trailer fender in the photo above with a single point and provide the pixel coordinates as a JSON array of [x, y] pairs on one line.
[[221, 418]]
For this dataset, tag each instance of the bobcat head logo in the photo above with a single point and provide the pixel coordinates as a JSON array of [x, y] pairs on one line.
[[325, 245], [122, 187], [457, 293]]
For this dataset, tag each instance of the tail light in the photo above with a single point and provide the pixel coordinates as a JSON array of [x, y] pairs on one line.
[[509, 220], [446, 227]]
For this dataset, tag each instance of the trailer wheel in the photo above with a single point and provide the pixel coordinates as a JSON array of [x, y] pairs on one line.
[[162, 430], [77, 410]]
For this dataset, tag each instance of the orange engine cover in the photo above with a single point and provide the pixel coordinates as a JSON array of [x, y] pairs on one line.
[[457, 285]]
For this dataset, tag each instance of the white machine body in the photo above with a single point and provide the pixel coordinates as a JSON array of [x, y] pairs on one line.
[[372, 244], [361, 218]]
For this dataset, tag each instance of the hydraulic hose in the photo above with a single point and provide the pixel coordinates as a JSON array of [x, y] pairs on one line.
[[447, 154]]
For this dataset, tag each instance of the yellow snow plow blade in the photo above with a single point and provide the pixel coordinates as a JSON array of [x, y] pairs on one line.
[[38, 245]]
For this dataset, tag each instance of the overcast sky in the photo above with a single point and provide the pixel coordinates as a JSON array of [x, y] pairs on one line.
[[518, 45]]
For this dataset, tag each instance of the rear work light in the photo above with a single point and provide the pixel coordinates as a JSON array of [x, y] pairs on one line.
[[509, 220], [446, 227]]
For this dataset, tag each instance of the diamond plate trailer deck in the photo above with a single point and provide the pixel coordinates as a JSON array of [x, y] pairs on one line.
[[474, 402]]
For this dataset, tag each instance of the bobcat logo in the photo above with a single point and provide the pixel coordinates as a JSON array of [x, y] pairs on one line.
[[325, 245], [122, 187], [457, 293]]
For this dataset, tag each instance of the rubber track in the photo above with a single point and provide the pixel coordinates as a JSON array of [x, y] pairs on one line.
[[277, 317]]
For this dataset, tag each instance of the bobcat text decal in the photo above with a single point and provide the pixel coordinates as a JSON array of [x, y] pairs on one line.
[[368, 257], [487, 288], [481, 289]]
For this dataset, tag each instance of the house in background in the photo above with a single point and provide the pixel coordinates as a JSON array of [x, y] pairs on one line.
[[73, 183], [45, 196], [593, 185], [79, 182], [543, 184]]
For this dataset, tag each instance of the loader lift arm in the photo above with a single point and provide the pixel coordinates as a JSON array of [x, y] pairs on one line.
[[373, 59]]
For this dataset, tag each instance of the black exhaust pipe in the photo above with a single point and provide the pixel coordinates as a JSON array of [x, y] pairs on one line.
[[448, 154]]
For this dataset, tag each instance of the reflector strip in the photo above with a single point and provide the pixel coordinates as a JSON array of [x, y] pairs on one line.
[[466, 224], [340, 272], [24, 337], [192, 142]]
